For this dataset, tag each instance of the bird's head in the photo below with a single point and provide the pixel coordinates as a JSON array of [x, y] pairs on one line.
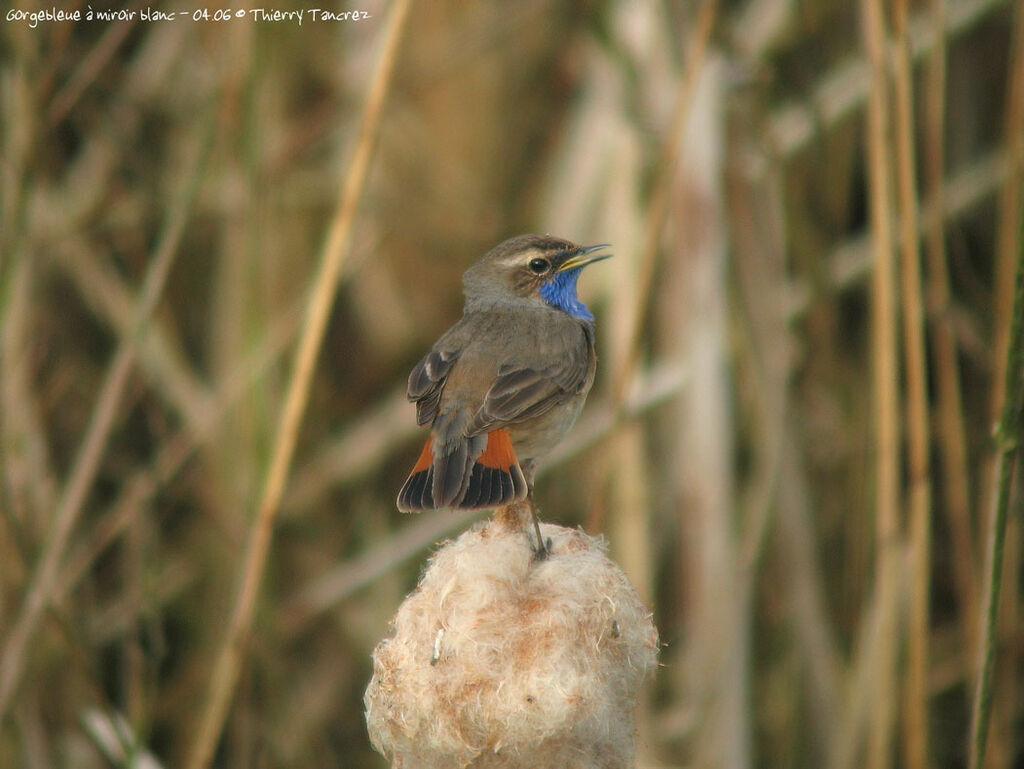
[[532, 269]]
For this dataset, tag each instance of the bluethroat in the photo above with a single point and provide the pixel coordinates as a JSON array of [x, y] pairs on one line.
[[505, 384]]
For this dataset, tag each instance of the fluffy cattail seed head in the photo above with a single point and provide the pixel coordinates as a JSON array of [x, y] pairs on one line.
[[499, 659]]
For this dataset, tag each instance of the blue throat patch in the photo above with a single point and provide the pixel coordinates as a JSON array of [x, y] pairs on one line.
[[560, 293]]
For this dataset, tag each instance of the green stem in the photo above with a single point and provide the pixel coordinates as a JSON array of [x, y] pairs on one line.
[[1007, 436]]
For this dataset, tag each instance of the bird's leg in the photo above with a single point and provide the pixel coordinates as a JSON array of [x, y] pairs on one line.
[[513, 517], [543, 549]]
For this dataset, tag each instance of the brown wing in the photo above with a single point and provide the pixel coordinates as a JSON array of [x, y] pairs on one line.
[[426, 382], [521, 392]]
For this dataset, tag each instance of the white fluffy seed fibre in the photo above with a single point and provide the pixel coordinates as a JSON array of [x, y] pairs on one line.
[[501, 660]]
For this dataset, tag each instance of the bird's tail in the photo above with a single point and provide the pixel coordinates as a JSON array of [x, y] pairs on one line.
[[472, 473]]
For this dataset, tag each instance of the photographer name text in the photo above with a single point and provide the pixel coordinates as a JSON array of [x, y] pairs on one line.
[[57, 15]]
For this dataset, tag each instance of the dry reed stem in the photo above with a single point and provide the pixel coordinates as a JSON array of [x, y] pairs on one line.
[[19, 134], [1010, 195], [629, 498], [661, 190], [777, 496], [620, 501], [885, 382], [814, 636], [776, 492], [27, 478], [18, 420], [630, 482], [758, 225], [918, 440], [862, 695], [44, 579], [952, 441], [693, 322], [1008, 437], [229, 657], [235, 460]]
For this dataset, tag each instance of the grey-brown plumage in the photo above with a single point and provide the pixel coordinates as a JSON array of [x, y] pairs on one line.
[[507, 382]]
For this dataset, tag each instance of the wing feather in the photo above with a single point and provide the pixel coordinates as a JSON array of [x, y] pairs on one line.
[[426, 383], [521, 392]]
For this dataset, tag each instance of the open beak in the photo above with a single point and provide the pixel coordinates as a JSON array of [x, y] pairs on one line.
[[583, 257]]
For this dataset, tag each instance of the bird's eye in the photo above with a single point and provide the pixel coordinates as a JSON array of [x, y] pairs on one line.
[[539, 266]]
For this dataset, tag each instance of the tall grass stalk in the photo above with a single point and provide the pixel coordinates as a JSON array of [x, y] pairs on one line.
[[885, 379], [949, 404], [1008, 438], [659, 202], [992, 716], [918, 434]]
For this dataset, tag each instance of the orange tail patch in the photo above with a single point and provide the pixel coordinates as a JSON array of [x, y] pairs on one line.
[[426, 456], [499, 453], [494, 478]]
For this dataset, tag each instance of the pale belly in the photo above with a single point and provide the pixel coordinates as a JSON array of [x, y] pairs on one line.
[[533, 439]]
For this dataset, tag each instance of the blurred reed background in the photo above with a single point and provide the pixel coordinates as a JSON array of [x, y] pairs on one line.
[[816, 214]]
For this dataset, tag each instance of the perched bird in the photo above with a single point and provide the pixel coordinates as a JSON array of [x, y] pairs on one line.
[[503, 385]]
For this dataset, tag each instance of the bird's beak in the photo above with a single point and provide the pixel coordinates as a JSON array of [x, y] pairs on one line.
[[583, 257]]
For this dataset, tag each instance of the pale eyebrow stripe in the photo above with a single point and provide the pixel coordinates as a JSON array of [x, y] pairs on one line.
[[519, 258]]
